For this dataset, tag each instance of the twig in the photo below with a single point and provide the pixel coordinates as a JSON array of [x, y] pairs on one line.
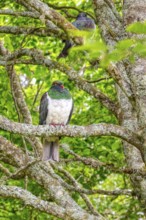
[[37, 93], [98, 80], [70, 7], [4, 170], [19, 172]]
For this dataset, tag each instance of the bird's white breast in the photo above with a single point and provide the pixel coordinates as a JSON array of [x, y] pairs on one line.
[[58, 111]]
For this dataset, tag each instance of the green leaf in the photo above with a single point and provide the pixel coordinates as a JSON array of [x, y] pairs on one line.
[[137, 28]]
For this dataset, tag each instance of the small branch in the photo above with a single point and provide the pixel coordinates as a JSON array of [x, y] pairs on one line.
[[91, 192], [20, 13], [98, 80], [19, 173], [4, 170], [122, 80], [37, 93], [96, 164], [70, 7], [31, 200], [40, 31]]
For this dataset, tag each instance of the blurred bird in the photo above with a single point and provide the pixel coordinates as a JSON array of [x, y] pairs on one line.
[[56, 108], [82, 22]]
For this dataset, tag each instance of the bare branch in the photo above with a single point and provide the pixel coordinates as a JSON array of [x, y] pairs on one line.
[[80, 190], [98, 80]]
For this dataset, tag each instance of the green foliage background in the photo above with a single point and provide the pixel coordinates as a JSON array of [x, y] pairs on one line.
[[86, 111]]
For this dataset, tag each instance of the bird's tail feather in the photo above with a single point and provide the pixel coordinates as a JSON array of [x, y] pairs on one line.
[[51, 150]]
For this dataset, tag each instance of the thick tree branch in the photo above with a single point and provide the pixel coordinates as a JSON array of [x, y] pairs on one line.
[[72, 131], [19, 98], [111, 27], [112, 30], [33, 201]]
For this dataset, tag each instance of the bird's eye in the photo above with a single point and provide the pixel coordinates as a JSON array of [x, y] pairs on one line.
[[61, 86]]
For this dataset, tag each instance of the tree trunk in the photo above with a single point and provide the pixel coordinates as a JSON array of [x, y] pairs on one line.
[[131, 93], [134, 11]]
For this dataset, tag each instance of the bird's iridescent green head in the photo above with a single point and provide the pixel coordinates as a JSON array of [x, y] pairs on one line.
[[57, 91]]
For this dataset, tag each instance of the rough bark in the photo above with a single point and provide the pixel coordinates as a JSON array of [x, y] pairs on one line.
[[72, 131], [135, 11], [133, 81]]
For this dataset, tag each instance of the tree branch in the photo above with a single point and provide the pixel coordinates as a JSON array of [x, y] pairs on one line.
[[111, 27], [33, 201], [48, 13], [72, 131], [112, 30], [96, 164], [19, 98], [80, 190], [20, 13], [40, 31]]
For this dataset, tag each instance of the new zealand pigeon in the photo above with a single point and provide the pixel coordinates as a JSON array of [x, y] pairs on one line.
[[56, 108], [82, 22]]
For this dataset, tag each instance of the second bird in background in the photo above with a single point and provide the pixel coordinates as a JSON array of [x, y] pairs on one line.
[[82, 22]]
